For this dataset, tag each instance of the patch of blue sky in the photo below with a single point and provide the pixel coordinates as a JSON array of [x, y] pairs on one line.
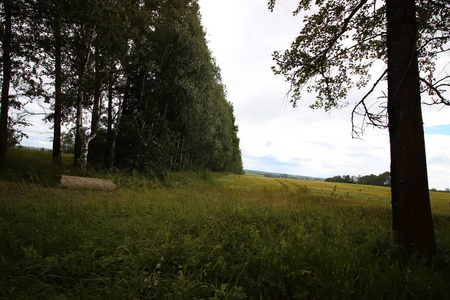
[[439, 129], [268, 164]]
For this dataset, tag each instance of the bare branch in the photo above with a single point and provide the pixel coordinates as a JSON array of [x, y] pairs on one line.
[[435, 88], [375, 120], [429, 40]]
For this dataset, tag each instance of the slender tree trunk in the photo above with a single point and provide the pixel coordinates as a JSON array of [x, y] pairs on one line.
[[6, 80], [122, 110], [109, 132], [110, 106], [411, 212], [97, 96], [114, 138], [79, 131], [56, 154], [93, 148]]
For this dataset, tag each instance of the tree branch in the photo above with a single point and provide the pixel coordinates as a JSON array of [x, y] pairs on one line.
[[435, 89], [343, 28], [322, 55], [373, 119]]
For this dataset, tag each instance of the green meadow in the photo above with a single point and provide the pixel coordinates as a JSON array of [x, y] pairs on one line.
[[205, 236]]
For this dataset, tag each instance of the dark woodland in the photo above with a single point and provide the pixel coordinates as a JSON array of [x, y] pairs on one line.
[[134, 80]]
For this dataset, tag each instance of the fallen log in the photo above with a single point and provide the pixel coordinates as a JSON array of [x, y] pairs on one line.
[[75, 182]]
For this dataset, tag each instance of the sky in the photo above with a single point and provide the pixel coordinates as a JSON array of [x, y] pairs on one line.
[[274, 137]]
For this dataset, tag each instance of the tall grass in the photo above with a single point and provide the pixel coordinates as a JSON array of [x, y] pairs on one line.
[[211, 236]]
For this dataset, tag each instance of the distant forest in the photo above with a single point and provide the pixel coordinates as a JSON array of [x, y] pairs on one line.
[[133, 80], [383, 179], [281, 175]]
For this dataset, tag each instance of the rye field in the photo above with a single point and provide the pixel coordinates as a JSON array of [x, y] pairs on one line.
[[205, 236]]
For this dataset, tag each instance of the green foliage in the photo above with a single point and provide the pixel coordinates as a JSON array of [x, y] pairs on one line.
[[383, 179], [338, 43], [211, 235], [167, 108], [176, 116], [341, 40], [67, 142]]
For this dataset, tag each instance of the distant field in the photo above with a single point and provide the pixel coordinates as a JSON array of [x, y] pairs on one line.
[[206, 236]]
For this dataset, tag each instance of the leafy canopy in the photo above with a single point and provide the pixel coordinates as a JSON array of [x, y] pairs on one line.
[[340, 43]]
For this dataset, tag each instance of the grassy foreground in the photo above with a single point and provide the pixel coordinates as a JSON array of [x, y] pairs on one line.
[[206, 236]]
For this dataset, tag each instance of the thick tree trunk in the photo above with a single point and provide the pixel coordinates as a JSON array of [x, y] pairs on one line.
[[6, 80], [411, 212], [56, 153]]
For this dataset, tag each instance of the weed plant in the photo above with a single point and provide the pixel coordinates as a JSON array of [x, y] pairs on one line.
[[211, 236]]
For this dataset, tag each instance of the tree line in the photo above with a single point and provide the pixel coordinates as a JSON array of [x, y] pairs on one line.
[[134, 80], [383, 179]]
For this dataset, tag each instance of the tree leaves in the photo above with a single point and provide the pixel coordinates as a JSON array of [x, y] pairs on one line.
[[167, 108], [341, 40], [177, 113]]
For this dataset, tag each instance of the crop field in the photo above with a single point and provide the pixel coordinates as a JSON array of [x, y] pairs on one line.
[[206, 236]]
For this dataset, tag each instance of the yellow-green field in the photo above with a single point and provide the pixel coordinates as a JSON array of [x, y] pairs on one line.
[[206, 236]]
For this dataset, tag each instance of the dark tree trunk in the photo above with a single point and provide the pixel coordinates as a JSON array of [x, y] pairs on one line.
[[94, 150], [110, 106], [79, 132], [411, 212], [122, 111], [6, 80], [56, 153], [97, 96], [109, 132]]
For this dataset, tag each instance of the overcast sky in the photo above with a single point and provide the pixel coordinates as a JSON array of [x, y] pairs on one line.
[[275, 137]]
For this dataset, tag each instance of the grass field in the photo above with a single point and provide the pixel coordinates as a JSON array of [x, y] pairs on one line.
[[206, 236]]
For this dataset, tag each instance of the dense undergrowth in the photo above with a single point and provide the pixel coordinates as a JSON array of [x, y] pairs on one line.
[[208, 236]]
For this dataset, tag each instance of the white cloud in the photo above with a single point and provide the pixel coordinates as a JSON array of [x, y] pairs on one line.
[[438, 159], [274, 136]]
